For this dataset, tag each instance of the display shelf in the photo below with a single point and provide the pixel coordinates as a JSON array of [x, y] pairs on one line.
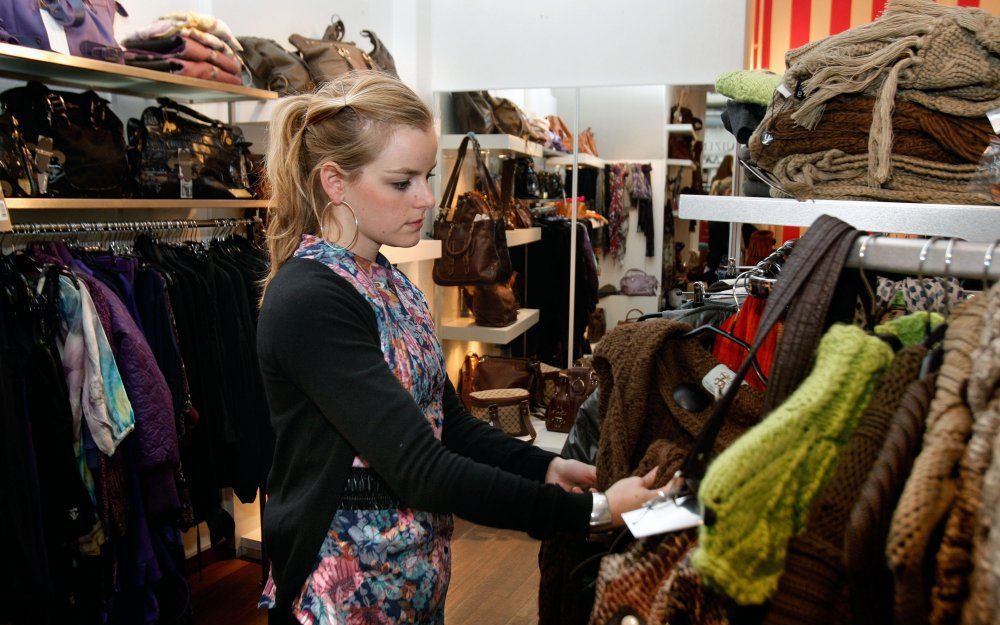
[[503, 143], [970, 222], [72, 71], [44, 203], [586, 160], [549, 441], [549, 152], [681, 129], [465, 329], [523, 236], [250, 545], [617, 307], [425, 249], [680, 162]]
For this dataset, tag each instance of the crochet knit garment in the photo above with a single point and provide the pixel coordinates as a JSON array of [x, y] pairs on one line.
[[813, 587], [836, 175], [917, 131], [910, 329], [760, 490], [981, 473], [753, 86], [642, 426], [864, 541], [932, 486], [942, 57]]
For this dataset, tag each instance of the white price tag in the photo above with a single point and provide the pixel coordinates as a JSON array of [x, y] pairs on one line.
[[56, 33], [783, 90], [668, 516], [994, 117], [5, 225], [718, 380]]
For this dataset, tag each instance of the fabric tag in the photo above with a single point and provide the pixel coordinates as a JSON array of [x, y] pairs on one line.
[[56, 33], [717, 381], [994, 117], [5, 225], [785, 91], [669, 516]]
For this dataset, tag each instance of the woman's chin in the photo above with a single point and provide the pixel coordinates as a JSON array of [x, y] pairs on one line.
[[404, 239]]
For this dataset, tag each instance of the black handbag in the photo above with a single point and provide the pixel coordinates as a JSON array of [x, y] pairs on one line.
[[526, 183], [74, 138], [177, 152], [17, 172]]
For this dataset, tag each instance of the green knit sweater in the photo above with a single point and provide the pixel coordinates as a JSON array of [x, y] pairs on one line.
[[759, 491], [753, 86]]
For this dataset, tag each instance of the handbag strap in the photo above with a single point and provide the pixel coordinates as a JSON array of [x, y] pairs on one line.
[[633, 271], [482, 173], [171, 105], [807, 282]]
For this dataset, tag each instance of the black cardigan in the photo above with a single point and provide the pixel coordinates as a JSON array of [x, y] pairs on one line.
[[332, 396]]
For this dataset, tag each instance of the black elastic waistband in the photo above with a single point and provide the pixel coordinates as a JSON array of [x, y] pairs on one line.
[[365, 490]]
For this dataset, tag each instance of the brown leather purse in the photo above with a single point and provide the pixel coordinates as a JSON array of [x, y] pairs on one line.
[[483, 373], [517, 212], [473, 234], [331, 57], [473, 111], [495, 305], [508, 117]]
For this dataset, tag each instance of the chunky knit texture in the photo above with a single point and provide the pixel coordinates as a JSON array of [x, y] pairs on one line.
[[813, 587], [760, 490], [980, 489], [932, 486], [752, 86], [910, 329], [945, 58], [869, 579], [834, 174]]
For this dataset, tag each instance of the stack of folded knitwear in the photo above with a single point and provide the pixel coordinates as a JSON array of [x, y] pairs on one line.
[[189, 44], [894, 110], [749, 93]]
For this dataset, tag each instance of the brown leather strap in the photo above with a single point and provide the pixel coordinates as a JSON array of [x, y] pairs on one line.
[[805, 286], [482, 174]]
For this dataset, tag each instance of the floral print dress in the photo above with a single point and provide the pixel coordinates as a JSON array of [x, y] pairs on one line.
[[383, 566]]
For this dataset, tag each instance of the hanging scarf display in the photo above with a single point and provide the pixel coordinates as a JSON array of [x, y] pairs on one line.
[[617, 215]]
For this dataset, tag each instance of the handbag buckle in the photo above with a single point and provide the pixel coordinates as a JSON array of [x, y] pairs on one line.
[[344, 53]]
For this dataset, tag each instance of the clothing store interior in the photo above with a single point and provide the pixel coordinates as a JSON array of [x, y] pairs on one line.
[[674, 374]]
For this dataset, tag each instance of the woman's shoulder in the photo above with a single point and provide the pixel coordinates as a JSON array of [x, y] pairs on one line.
[[305, 282]]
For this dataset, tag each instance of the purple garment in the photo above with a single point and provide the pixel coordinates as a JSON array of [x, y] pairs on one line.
[[124, 270]]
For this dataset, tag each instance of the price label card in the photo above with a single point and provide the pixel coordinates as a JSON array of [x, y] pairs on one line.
[[994, 117], [5, 225], [664, 517]]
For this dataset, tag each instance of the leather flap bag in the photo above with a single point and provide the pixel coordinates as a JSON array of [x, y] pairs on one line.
[[638, 282], [77, 143], [380, 54], [89, 25], [517, 212], [473, 235], [495, 305], [473, 111], [508, 117], [483, 373], [331, 57], [17, 171], [275, 68], [178, 152]]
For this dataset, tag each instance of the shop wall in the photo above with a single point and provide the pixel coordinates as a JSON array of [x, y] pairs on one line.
[[627, 121], [781, 25]]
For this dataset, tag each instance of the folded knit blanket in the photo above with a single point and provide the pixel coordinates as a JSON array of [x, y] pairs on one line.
[[191, 69], [945, 58], [836, 175], [178, 47], [917, 131], [166, 28]]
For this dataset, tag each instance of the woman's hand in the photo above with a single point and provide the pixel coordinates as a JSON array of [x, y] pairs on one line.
[[630, 494], [572, 475]]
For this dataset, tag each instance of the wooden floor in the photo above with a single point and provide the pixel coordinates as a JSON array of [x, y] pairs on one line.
[[494, 582]]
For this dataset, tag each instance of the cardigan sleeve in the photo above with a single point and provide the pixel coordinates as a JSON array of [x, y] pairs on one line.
[[325, 339], [476, 439]]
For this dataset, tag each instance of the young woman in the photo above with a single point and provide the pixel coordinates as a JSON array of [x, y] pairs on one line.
[[374, 451]]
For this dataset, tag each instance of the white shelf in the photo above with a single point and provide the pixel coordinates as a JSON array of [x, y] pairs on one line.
[[465, 329], [681, 129], [259, 112], [972, 222], [680, 162], [586, 160], [250, 545], [549, 441], [523, 236], [426, 249], [502, 143], [549, 152]]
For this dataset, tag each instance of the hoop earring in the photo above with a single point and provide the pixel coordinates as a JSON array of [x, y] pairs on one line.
[[319, 220], [357, 225]]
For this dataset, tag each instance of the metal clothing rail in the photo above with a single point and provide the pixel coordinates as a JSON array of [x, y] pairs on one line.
[[936, 256], [128, 226]]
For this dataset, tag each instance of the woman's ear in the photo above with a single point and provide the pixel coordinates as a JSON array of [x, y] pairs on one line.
[[334, 181]]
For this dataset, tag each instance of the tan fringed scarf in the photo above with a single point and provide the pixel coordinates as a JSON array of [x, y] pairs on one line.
[[945, 58], [839, 176]]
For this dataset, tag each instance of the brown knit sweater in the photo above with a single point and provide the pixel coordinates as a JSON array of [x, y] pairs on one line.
[[979, 494], [642, 427], [932, 487], [813, 587]]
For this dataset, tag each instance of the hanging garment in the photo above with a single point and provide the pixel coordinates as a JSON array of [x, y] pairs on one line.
[[743, 325]]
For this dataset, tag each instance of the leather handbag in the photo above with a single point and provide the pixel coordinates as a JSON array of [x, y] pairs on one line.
[[275, 68], [483, 373], [473, 234], [526, 183], [507, 409], [473, 112], [89, 25], [508, 117], [587, 142], [638, 282], [517, 213], [559, 127], [631, 316], [179, 153], [331, 57], [550, 184], [77, 143], [380, 54], [495, 305], [17, 172]]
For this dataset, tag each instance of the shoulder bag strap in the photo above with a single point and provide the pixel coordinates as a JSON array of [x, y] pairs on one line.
[[177, 107], [483, 171], [449, 190], [807, 281]]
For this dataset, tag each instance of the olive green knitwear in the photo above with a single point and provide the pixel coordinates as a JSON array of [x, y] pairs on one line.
[[754, 86], [912, 328], [760, 489]]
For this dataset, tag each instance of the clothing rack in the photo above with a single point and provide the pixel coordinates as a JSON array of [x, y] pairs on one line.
[[129, 226], [935, 256]]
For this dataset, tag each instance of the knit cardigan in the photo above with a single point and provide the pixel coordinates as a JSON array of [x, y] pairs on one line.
[[931, 489], [813, 587], [980, 490]]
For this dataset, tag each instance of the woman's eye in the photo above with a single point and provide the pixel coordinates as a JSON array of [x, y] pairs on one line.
[[402, 186]]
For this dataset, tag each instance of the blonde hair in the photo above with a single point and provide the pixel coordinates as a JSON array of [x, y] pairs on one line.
[[347, 121]]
